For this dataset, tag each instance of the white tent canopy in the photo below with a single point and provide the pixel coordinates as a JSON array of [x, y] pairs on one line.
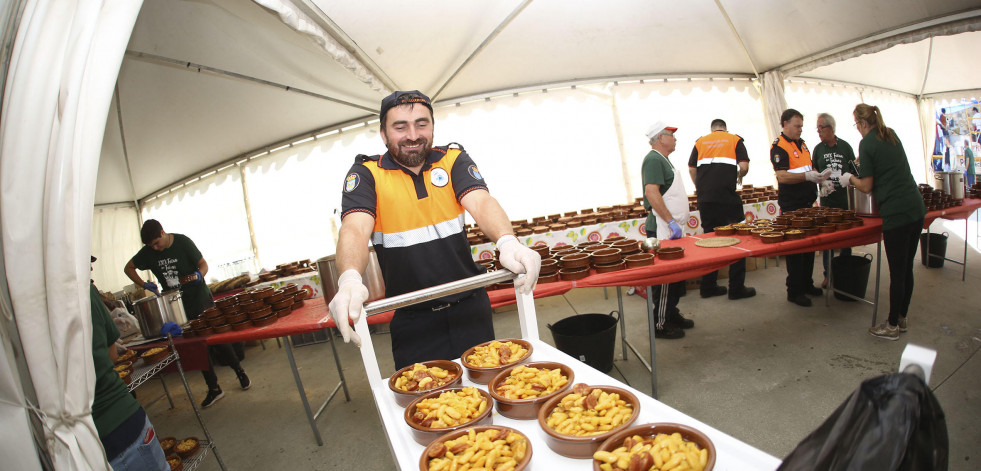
[[203, 86]]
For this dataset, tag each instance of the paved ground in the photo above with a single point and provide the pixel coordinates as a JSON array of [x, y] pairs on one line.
[[763, 370]]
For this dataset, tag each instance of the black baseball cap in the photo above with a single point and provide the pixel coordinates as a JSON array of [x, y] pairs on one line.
[[402, 98]]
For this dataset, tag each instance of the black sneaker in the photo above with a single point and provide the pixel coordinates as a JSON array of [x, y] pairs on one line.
[[211, 398], [677, 320], [243, 379], [813, 291], [669, 332], [713, 291], [800, 300], [741, 293]]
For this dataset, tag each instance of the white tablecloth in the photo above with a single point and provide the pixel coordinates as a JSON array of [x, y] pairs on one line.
[[733, 454]]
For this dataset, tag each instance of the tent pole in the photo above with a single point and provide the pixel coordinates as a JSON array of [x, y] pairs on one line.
[[738, 38], [248, 217], [122, 143]]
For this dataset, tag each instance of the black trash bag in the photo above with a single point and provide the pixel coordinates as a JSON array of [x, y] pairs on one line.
[[891, 422]]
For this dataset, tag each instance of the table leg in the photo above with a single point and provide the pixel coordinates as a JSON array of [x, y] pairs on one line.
[[651, 326], [299, 388], [337, 361], [964, 271], [167, 392], [830, 276], [623, 323]]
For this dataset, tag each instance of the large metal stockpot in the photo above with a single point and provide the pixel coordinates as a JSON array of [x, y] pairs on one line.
[[951, 182], [372, 277], [862, 203], [154, 311]]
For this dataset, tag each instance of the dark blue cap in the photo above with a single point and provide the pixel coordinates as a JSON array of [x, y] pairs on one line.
[[403, 98]]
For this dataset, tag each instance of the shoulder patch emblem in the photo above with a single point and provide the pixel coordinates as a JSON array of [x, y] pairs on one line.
[[438, 177], [474, 172], [351, 182], [776, 141], [776, 158]]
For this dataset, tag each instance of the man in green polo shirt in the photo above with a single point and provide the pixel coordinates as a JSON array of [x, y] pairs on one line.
[[969, 162], [834, 153]]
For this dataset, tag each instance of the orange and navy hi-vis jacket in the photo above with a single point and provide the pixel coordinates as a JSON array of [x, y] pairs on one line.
[[419, 233], [718, 147], [793, 157]]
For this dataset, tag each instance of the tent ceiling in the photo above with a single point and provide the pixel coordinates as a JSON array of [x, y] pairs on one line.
[[178, 121]]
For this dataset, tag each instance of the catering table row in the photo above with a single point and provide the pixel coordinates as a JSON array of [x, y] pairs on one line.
[[632, 228]]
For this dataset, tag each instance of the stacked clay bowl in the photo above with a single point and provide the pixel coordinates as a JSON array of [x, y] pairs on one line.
[[574, 266], [638, 260], [606, 259]]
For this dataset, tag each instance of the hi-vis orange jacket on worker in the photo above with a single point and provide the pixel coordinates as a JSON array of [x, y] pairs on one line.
[[419, 231], [716, 157], [793, 157]]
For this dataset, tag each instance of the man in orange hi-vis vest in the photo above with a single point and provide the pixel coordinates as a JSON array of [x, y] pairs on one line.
[[409, 203], [718, 162], [798, 189]]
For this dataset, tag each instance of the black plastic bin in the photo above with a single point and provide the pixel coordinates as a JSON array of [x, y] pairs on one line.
[[938, 248], [850, 274], [589, 338]]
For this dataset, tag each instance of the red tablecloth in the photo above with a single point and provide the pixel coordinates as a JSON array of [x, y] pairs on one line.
[[696, 262], [193, 353]]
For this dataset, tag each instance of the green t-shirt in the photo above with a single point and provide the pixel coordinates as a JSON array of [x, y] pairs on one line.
[[836, 158], [656, 170], [170, 264], [969, 161], [113, 403], [893, 187]]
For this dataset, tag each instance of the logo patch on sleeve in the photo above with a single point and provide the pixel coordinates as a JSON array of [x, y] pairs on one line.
[[439, 177], [474, 172], [351, 182]]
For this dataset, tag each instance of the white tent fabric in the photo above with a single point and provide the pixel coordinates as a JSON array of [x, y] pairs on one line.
[[114, 234], [59, 86]]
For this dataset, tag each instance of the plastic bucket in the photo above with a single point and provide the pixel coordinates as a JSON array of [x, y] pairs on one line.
[[938, 248], [589, 338], [850, 274]]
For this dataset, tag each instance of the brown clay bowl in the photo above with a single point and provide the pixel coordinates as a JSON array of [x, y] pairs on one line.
[[563, 251], [627, 246], [221, 329], [282, 304], [610, 240], [129, 355], [639, 260], [542, 249], [744, 230], [167, 444], [264, 321], [725, 231], [757, 232], [605, 256], [843, 225], [549, 278], [833, 217], [260, 313], [610, 267], [211, 313], [203, 332], [280, 313], [290, 288], [404, 398], [185, 451], [828, 228], [277, 296], [483, 374], [253, 305], [806, 221], [214, 321], [527, 409], [687, 433], [233, 309], [583, 447], [242, 325], [225, 302], [175, 463], [263, 293], [425, 435], [811, 231], [239, 317], [795, 234], [771, 237], [670, 253], [857, 222], [548, 267], [576, 260], [425, 458], [573, 274], [820, 219], [154, 357]]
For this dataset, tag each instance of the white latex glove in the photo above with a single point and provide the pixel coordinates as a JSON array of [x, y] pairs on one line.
[[817, 177], [520, 259], [846, 180], [348, 303], [826, 188]]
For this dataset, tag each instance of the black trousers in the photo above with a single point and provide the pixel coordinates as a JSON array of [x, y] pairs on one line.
[[800, 267], [674, 295], [714, 215], [444, 334], [900, 246], [223, 354]]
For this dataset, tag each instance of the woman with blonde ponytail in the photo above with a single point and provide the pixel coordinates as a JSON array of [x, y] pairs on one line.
[[884, 172]]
